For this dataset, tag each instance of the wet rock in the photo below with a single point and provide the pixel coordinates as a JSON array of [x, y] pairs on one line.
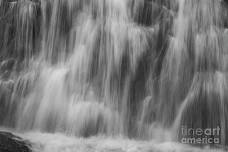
[[6, 88], [12, 143], [6, 67], [225, 13], [204, 109], [150, 13]]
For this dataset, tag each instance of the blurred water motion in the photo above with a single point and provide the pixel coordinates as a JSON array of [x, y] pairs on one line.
[[140, 69]]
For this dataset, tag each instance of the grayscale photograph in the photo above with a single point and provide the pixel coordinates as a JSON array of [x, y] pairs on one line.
[[113, 75]]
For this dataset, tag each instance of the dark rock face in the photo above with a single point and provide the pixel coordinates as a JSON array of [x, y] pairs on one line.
[[226, 1], [12, 143], [205, 107]]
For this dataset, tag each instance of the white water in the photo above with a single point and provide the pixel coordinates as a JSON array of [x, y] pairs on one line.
[[61, 143], [103, 68], [46, 142]]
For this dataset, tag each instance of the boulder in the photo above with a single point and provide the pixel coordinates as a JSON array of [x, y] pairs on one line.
[[12, 143]]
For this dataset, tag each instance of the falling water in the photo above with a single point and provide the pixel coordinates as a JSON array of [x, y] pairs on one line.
[[138, 69]]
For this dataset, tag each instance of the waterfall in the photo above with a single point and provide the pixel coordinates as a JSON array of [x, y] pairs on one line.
[[205, 99], [141, 69]]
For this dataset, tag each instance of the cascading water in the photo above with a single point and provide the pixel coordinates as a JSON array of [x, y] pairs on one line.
[[139, 69]]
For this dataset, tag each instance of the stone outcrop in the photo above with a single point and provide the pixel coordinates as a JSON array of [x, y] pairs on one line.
[[12, 143]]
